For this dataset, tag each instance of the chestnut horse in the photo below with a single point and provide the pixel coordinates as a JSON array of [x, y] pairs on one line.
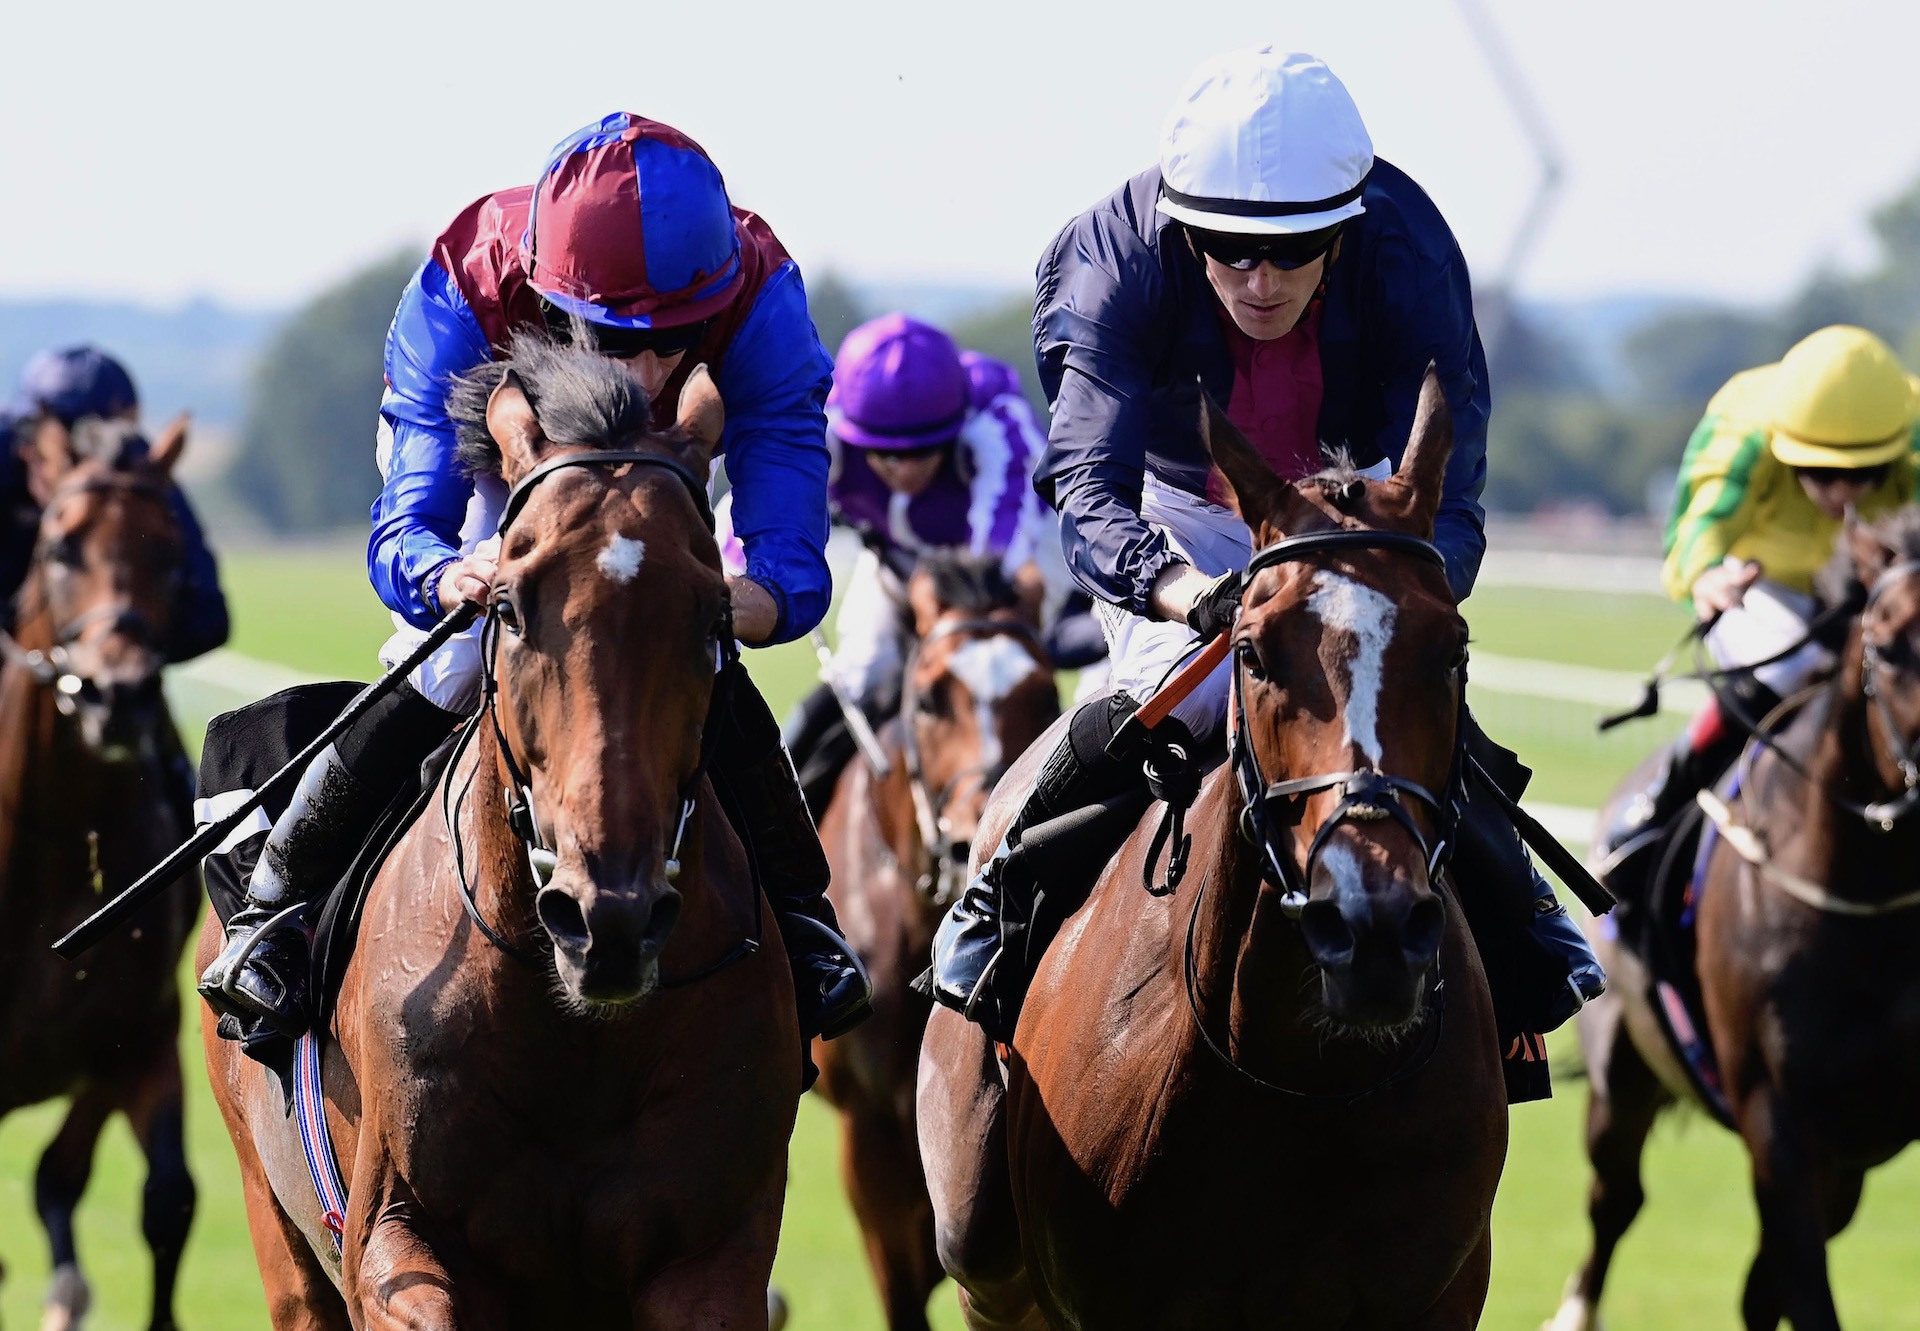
[[1251, 1102], [1807, 945], [94, 786], [978, 690], [564, 1070]]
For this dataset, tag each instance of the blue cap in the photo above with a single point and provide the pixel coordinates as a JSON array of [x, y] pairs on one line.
[[75, 382]]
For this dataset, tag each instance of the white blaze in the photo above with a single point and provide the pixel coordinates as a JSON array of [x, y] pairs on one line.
[[990, 668], [1365, 616], [622, 558]]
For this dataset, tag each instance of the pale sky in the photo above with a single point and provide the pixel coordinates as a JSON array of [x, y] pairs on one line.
[[253, 151]]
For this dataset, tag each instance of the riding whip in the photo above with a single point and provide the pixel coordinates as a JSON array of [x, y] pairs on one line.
[[116, 912]]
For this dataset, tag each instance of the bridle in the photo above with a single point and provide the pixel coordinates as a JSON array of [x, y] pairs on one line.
[[52, 667], [944, 875], [521, 816], [1365, 795]]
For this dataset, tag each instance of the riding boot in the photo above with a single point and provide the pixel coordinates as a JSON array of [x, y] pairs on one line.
[[757, 785], [819, 743], [1691, 764], [989, 932], [260, 977]]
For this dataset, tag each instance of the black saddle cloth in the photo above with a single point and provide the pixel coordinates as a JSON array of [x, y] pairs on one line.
[[246, 746]]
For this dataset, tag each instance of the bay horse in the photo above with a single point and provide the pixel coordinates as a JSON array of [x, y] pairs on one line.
[[562, 1071], [1273, 1095], [93, 788], [978, 690], [1807, 946]]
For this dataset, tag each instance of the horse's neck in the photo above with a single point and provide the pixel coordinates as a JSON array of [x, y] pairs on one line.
[[1835, 739]]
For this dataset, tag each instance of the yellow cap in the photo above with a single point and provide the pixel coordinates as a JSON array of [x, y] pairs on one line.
[[1841, 398]]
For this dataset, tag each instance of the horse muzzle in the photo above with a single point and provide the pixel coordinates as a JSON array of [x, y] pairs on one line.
[[118, 719], [607, 943], [1374, 952]]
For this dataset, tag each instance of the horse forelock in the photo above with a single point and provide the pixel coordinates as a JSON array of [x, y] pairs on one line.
[[580, 398]]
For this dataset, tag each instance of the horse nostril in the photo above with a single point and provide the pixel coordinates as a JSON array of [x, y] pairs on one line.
[[1420, 936], [959, 852], [561, 916], [660, 921], [1328, 937]]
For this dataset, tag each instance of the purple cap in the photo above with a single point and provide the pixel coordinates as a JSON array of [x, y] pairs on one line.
[[897, 384], [74, 382], [989, 377]]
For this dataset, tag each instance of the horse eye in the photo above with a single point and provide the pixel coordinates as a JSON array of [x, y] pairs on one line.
[[1250, 659], [504, 612], [66, 552], [926, 704]]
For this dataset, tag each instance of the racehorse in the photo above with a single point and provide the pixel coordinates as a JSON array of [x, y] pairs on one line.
[[978, 690], [1807, 929], [563, 1070], [93, 784], [1271, 1096]]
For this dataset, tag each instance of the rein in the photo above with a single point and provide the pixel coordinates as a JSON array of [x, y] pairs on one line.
[[521, 818], [936, 883], [1365, 795]]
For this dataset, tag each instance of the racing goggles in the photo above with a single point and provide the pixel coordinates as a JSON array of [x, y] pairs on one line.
[[621, 343], [1244, 253], [1866, 476]]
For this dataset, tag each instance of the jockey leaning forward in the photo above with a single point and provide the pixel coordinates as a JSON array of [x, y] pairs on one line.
[[1273, 260], [1783, 454], [933, 449], [68, 385], [628, 239]]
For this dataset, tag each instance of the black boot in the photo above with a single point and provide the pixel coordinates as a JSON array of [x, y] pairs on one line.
[[756, 783], [260, 978], [1082, 793], [817, 738]]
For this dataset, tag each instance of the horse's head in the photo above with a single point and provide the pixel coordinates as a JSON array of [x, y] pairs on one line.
[[1348, 662], [106, 564], [978, 691], [609, 615], [1882, 560]]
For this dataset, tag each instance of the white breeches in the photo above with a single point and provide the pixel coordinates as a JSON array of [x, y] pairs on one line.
[[1769, 619]]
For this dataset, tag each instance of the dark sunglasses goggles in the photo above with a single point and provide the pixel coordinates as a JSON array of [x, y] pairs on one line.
[[621, 343], [1867, 476], [1244, 253]]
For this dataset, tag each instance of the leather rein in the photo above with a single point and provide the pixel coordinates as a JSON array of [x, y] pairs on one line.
[[1365, 795], [521, 817]]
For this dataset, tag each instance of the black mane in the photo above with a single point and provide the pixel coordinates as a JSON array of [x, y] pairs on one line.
[[972, 583], [579, 397]]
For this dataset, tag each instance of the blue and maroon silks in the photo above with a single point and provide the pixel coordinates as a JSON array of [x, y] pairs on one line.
[[625, 233], [1125, 334]]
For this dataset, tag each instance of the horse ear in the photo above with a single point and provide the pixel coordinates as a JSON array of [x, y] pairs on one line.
[[166, 450], [1260, 497], [1423, 467], [511, 422], [700, 412], [47, 452]]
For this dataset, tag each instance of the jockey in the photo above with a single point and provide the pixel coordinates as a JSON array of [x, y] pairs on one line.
[[933, 448], [1272, 259], [627, 239], [1784, 452], [69, 384]]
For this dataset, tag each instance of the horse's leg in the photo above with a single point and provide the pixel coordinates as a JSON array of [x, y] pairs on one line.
[[963, 1142], [154, 1107], [1623, 1099], [1459, 1307], [881, 1166], [57, 1186], [300, 1295], [1788, 1277], [725, 1286]]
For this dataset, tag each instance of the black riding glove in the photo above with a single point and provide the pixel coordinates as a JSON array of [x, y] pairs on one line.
[[1213, 610]]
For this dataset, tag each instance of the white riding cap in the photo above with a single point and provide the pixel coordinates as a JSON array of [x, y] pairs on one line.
[[1264, 143]]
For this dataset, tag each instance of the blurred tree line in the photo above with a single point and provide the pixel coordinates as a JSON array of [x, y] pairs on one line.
[[1562, 430]]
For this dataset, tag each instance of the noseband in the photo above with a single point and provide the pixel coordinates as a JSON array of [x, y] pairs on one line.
[[939, 883], [521, 818]]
